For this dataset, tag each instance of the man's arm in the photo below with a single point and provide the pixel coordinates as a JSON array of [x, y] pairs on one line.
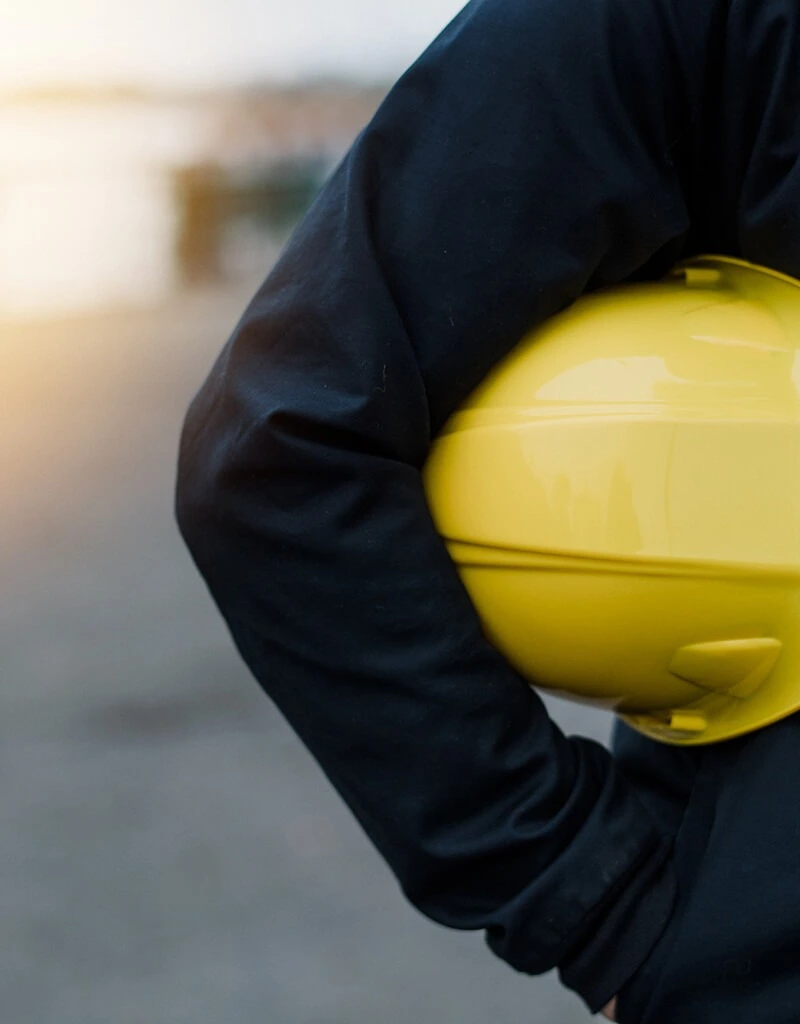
[[529, 156]]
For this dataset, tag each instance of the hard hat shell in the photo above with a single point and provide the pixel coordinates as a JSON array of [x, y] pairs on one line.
[[621, 496]]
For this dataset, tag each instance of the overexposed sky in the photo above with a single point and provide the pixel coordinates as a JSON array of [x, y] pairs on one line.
[[199, 43]]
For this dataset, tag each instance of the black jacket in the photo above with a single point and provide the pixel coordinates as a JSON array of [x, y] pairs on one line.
[[538, 150]]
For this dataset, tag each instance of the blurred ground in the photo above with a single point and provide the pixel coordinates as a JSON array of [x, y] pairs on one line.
[[169, 854]]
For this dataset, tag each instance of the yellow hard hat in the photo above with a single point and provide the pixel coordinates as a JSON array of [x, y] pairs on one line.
[[622, 498]]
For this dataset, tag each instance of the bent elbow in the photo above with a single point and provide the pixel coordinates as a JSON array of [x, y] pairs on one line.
[[204, 459]]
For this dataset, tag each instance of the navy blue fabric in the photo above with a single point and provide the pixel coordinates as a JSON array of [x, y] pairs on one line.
[[729, 954], [538, 150]]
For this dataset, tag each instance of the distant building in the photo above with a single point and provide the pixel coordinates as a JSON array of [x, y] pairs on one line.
[[120, 200]]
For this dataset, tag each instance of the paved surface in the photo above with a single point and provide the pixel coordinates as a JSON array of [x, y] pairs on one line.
[[169, 854]]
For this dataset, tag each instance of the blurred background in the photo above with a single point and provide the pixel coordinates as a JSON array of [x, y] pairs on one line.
[[168, 851]]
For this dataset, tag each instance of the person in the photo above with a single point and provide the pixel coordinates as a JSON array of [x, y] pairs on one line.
[[538, 150]]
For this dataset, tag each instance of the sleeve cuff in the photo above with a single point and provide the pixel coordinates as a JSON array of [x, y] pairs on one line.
[[628, 928]]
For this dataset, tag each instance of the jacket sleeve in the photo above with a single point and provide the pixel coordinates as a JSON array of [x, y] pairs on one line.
[[527, 157]]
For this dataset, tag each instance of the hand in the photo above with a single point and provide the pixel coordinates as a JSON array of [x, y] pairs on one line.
[[610, 1011]]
